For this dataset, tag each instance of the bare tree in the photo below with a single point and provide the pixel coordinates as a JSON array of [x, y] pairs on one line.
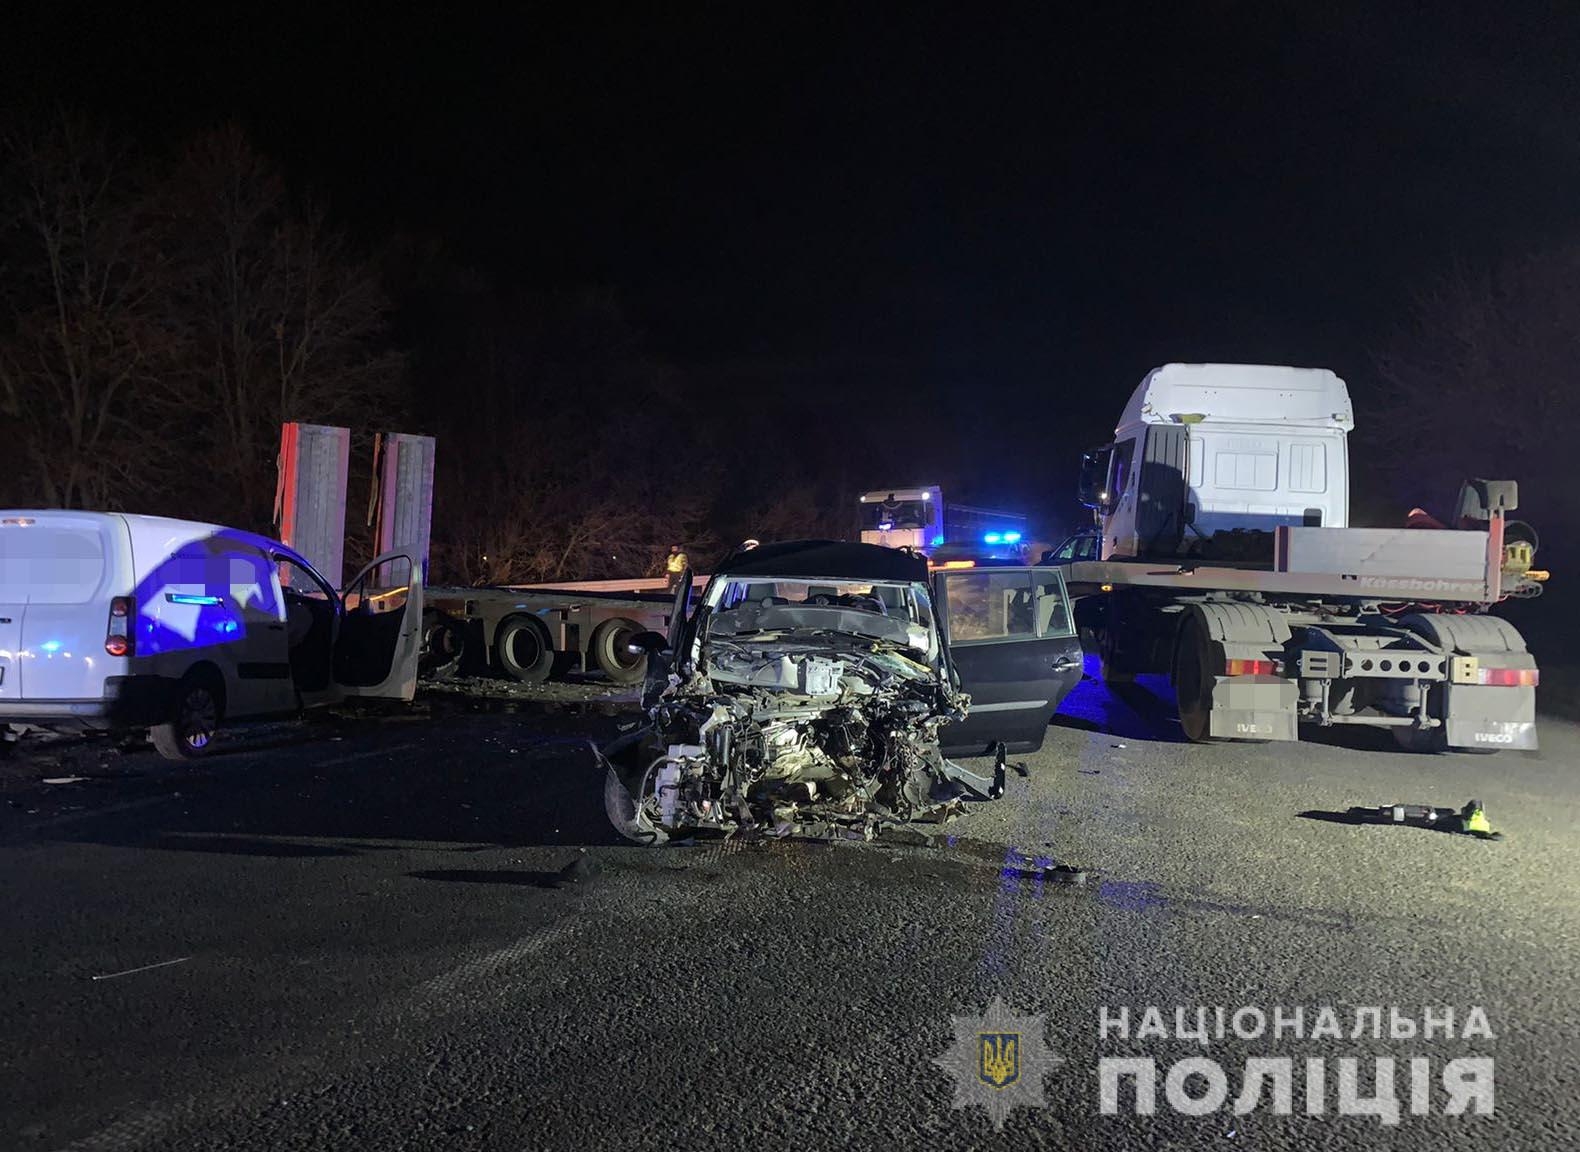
[[1484, 383], [283, 321], [81, 335]]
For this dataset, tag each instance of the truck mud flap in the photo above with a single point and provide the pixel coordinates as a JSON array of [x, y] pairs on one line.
[[1490, 718], [1253, 708]]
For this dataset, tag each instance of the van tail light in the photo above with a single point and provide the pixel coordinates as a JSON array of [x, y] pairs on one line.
[[1508, 677], [118, 636], [1248, 668]]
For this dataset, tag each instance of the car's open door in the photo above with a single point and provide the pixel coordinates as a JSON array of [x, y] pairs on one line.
[[659, 664], [680, 610], [380, 634], [1012, 643]]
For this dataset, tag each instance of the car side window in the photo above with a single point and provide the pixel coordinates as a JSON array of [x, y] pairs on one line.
[[990, 605], [1053, 607], [297, 581]]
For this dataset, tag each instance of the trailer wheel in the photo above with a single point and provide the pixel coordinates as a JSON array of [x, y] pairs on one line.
[[1109, 666], [610, 653], [523, 649], [444, 646], [1193, 682]]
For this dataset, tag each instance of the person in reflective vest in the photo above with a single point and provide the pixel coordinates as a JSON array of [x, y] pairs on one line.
[[675, 565]]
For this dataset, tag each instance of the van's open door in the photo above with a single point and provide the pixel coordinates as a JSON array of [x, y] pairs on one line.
[[1012, 641], [381, 632]]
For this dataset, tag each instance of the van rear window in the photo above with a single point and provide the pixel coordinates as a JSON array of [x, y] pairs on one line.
[[50, 564]]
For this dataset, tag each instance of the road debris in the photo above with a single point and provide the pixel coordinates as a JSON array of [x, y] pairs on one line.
[[580, 869], [1048, 873], [1470, 820], [144, 968], [63, 780]]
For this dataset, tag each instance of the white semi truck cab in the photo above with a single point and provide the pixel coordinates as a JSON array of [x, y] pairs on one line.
[[1209, 449], [1229, 564]]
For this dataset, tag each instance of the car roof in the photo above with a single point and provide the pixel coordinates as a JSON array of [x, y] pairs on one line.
[[824, 560]]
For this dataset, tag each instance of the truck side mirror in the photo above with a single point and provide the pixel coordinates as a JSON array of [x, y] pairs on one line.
[[1089, 489]]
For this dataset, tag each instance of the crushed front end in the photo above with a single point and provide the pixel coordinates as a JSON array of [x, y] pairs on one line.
[[798, 707]]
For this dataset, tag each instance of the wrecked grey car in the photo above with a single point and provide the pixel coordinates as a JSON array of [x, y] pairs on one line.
[[819, 688]]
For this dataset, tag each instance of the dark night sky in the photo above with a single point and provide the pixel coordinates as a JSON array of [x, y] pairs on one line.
[[1019, 209]]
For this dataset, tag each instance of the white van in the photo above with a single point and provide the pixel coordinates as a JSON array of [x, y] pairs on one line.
[[118, 622]]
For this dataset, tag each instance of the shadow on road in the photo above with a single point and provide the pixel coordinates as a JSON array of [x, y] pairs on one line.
[[1140, 711], [516, 878], [1367, 817], [1332, 817], [475, 780], [244, 846]]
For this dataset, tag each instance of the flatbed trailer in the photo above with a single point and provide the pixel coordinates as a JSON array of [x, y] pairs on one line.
[[1380, 627], [529, 634]]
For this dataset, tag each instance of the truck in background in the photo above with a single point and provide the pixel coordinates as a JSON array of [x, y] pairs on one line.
[[921, 519], [1227, 562]]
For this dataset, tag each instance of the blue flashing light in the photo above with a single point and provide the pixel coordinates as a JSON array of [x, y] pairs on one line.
[[1012, 537], [50, 646], [188, 598], [992, 538], [938, 541]]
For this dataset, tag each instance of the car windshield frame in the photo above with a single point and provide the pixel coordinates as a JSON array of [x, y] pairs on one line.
[[919, 619]]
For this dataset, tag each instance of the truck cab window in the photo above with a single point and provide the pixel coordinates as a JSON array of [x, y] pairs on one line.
[[1119, 470]]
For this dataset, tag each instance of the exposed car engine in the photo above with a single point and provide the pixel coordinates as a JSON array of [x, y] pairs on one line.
[[816, 717]]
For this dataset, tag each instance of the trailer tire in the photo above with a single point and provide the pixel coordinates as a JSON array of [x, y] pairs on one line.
[[1456, 634], [610, 654], [523, 649], [1109, 666], [1193, 681], [444, 647]]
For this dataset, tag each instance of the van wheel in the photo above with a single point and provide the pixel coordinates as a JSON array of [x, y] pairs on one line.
[[610, 651], [195, 713], [523, 649]]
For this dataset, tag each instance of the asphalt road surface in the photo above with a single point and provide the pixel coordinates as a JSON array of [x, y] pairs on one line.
[[420, 933]]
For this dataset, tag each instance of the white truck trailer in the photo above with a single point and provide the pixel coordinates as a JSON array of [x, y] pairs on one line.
[[1227, 562]]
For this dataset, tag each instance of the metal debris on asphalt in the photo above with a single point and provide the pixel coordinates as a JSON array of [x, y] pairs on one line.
[[144, 968]]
